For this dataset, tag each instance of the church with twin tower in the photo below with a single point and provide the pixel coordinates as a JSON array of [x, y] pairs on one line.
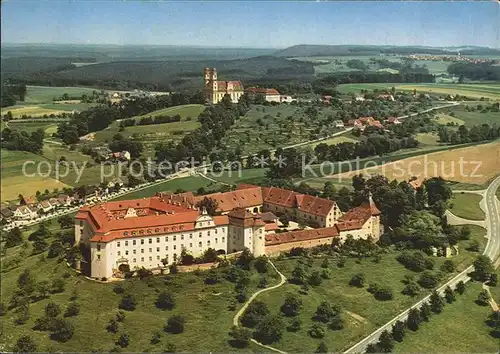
[[215, 90]]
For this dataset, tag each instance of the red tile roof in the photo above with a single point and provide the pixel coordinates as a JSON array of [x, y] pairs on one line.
[[240, 198], [244, 218], [223, 86], [302, 235], [303, 202], [355, 218], [262, 90]]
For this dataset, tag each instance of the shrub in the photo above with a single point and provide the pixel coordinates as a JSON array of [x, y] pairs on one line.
[[58, 286], [262, 282], [25, 344], [295, 325], [120, 316], [416, 261], [269, 330], [428, 280], [240, 337], [483, 298], [261, 264], [436, 302], [118, 289], [325, 263], [398, 331], [448, 266], [212, 277], [292, 305], [411, 289], [317, 330], [254, 313], [155, 338], [52, 310], [73, 309], [62, 330], [357, 280], [113, 326], [449, 295], [175, 324], [325, 312], [315, 278], [127, 303], [165, 301], [414, 319], [123, 340], [460, 287]]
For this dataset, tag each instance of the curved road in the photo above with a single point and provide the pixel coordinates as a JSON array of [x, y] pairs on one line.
[[492, 250]]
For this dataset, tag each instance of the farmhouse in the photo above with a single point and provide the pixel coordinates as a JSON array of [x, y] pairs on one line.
[[153, 232], [215, 90], [269, 94]]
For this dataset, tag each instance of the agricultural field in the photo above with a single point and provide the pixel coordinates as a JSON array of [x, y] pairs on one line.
[[361, 312], [45, 94], [466, 205], [335, 140], [48, 127], [427, 139], [14, 182], [474, 118], [445, 119], [491, 91], [150, 135], [481, 165], [459, 328]]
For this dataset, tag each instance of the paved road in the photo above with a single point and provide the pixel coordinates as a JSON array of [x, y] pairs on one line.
[[492, 250]]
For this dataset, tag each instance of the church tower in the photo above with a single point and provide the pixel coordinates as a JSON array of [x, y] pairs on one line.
[[206, 73], [214, 81]]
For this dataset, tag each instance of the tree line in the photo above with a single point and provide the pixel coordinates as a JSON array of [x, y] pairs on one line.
[[471, 71], [10, 93], [14, 139], [160, 119], [463, 135]]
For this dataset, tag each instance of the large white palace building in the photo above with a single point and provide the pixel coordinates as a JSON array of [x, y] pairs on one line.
[[152, 232]]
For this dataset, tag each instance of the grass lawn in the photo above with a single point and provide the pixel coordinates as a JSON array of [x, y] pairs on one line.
[[252, 175], [466, 205], [334, 141], [428, 139], [445, 119], [460, 328], [44, 94], [48, 127]]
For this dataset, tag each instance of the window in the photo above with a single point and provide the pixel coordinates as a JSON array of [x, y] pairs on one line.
[[134, 260], [134, 251], [200, 244], [118, 253], [150, 250], [208, 243], [208, 233], [191, 245], [126, 243], [216, 240], [175, 238], [98, 247], [190, 235], [215, 231], [134, 242], [166, 248], [98, 257], [157, 249], [142, 259], [150, 258], [150, 240], [158, 257], [142, 250], [142, 241], [157, 240], [175, 247], [200, 234], [182, 237], [118, 244], [126, 252], [166, 239], [223, 239]]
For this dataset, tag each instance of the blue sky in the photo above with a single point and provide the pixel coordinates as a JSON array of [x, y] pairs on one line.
[[263, 24]]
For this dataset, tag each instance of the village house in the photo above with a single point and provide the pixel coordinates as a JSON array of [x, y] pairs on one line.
[[64, 200], [338, 124], [45, 206], [270, 94], [26, 212], [120, 156], [393, 120], [387, 97], [28, 200]]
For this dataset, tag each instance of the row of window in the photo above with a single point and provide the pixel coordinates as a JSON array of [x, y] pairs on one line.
[[158, 240], [200, 245]]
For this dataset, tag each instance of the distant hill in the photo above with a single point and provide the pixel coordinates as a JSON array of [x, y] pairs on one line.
[[309, 50], [165, 75]]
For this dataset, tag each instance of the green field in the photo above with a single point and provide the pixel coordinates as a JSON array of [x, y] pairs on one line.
[[45, 94], [460, 328], [466, 205], [491, 91], [446, 119], [252, 175], [428, 139], [475, 118], [48, 127]]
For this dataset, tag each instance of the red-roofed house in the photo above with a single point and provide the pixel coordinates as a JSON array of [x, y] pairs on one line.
[[393, 120], [270, 94]]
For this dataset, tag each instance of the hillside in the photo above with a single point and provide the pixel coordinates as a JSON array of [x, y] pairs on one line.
[[170, 75], [307, 50]]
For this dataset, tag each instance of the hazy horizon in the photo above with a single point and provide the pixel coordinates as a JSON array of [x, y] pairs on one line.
[[266, 25]]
